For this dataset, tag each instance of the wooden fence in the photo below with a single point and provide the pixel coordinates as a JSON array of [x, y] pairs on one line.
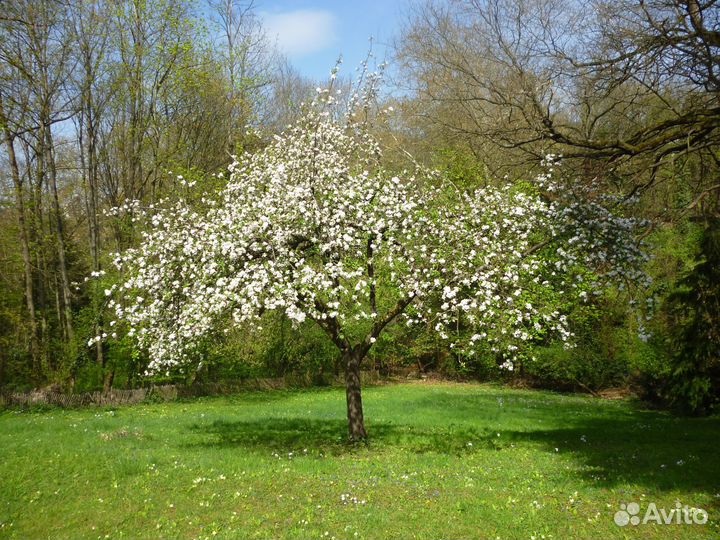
[[41, 398]]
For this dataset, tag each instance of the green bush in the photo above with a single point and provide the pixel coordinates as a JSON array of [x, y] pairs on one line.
[[693, 310]]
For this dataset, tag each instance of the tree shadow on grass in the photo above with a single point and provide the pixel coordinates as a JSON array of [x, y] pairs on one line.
[[280, 434], [330, 436], [611, 445], [664, 454]]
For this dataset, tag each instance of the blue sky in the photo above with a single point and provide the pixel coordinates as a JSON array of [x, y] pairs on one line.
[[314, 33]]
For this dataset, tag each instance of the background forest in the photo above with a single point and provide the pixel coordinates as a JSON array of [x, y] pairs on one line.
[[106, 106]]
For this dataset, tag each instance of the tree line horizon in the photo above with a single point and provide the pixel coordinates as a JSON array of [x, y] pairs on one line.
[[119, 120]]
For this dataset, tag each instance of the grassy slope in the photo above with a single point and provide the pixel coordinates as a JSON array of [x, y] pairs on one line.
[[445, 460]]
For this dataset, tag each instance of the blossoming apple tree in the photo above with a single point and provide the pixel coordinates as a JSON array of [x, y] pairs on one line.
[[315, 226]]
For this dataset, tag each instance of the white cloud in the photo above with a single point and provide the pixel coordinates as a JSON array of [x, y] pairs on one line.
[[302, 31]]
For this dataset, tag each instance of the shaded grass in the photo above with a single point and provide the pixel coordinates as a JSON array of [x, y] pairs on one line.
[[444, 460]]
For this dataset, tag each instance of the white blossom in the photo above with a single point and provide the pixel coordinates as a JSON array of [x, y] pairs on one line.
[[314, 226]]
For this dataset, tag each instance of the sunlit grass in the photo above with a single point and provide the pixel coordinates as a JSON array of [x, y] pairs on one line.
[[444, 461]]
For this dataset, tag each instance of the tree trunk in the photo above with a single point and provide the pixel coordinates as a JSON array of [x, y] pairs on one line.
[[356, 422], [108, 379], [90, 182], [25, 243], [60, 238]]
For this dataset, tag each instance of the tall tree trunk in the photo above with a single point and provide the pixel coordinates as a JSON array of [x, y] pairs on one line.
[[42, 288], [25, 244], [356, 421], [108, 379], [90, 175], [59, 231]]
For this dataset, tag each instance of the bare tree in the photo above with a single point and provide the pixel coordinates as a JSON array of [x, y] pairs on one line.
[[617, 85], [248, 60], [92, 85], [10, 134], [37, 52]]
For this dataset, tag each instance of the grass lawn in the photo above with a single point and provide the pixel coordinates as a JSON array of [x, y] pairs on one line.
[[444, 461]]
